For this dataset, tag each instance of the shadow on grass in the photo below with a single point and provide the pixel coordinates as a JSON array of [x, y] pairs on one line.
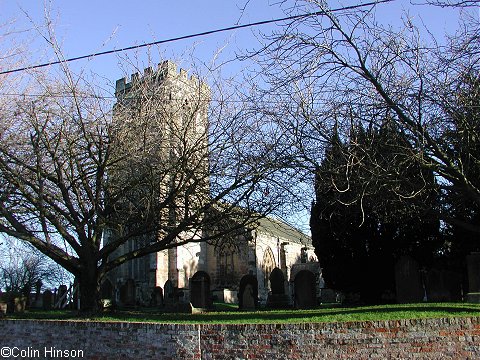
[[330, 314], [388, 312], [45, 315]]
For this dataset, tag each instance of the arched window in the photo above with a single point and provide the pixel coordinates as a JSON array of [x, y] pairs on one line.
[[225, 266], [268, 265]]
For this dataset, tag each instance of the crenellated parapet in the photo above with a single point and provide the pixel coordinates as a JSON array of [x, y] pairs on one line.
[[166, 70]]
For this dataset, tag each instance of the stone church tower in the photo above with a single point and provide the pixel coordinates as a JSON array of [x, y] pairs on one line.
[[161, 122]]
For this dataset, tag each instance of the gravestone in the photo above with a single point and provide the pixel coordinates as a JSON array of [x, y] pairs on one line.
[[248, 301], [473, 268], [434, 286], [130, 292], [169, 292], [3, 305], [453, 283], [38, 300], [200, 290], [408, 281], [47, 299], [38, 303], [61, 295], [20, 303], [17, 304], [157, 296], [248, 293], [277, 282], [277, 298], [123, 293], [443, 285], [76, 293], [106, 290], [305, 290], [38, 288], [330, 296], [127, 293], [3, 309], [174, 299]]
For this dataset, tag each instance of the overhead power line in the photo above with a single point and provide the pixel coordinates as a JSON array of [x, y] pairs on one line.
[[237, 101], [190, 36]]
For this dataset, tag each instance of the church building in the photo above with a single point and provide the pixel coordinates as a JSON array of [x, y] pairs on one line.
[[269, 263]]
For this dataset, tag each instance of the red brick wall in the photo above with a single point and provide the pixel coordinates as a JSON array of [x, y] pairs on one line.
[[455, 338]]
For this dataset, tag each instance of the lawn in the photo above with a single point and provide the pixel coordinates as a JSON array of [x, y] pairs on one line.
[[229, 315]]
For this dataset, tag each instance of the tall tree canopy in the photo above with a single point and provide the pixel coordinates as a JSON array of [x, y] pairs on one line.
[[373, 204]]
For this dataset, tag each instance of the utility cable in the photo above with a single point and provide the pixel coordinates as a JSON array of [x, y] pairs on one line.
[[190, 36]]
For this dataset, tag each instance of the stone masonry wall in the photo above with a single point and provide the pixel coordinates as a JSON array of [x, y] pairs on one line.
[[453, 338]]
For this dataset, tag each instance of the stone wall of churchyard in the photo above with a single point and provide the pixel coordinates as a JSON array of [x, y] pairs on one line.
[[453, 338]]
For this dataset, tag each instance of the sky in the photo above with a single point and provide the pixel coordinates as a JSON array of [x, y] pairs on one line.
[[87, 26], [84, 27]]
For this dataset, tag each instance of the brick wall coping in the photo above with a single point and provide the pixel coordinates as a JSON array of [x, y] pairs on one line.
[[441, 322]]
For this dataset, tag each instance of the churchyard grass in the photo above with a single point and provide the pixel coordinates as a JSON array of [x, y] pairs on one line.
[[230, 315]]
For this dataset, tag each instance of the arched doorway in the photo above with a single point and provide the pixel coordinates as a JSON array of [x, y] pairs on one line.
[[305, 290], [200, 290]]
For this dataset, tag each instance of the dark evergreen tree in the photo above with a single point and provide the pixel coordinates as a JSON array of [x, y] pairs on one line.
[[462, 103], [373, 203]]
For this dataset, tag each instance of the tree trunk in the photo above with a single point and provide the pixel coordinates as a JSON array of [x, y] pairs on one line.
[[89, 286]]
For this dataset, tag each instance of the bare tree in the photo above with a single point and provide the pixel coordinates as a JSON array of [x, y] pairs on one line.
[[22, 267], [168, 164], [450, 3], [343, 69]]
